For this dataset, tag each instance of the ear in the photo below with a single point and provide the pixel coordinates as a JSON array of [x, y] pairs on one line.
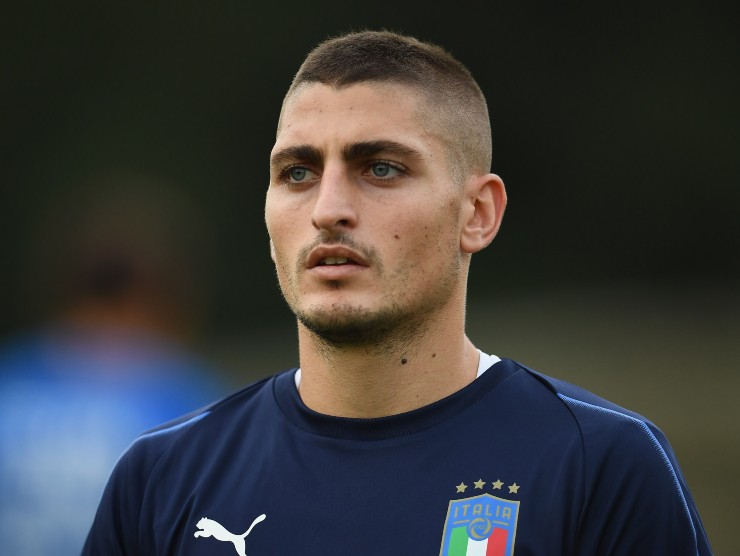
[[483, 209], [272, 250]]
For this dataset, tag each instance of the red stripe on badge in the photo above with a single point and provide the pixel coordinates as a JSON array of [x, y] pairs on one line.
[[497, 542]]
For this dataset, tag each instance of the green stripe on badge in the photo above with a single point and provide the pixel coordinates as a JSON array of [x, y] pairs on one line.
[[458, 542]]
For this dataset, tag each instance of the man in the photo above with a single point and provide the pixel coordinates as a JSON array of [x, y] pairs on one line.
[[396, 435]]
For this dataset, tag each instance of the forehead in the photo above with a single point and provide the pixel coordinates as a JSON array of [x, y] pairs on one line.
[[320, 115]]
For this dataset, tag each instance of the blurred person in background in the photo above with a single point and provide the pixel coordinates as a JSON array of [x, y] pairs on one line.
[[119, 267]]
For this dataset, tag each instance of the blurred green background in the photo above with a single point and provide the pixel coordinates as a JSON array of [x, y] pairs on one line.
[[616, 130]]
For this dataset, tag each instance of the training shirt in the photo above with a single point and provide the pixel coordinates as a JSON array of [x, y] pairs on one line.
[[514, 463]]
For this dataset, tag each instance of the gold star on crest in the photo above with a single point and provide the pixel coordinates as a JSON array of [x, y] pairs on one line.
[[461, 487], [497, 485], [479, 483], [514, 489]]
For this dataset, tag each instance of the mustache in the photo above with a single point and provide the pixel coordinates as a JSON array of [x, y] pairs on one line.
[[338, 238]]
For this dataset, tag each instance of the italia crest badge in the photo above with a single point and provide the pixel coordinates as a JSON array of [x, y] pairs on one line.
[[482, 525]]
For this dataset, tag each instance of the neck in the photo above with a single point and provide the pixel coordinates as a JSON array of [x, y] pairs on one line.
[[363, 381]]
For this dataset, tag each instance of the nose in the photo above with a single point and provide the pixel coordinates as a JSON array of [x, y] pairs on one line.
[[335, 206]]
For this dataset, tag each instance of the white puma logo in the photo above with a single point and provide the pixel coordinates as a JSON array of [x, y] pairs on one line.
[[209, 528]]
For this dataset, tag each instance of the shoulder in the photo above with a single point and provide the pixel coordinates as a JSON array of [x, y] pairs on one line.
[[610, 435], [184, 439], [629, 471], [228, 411], [590, 428], [589, 411]]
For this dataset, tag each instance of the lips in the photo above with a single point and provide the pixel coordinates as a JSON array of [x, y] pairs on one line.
[[333, 261], [334, 256]]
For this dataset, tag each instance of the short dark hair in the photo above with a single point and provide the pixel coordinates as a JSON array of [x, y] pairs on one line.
[[389, 57]]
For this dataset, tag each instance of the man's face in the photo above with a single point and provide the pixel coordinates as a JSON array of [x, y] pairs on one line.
[[362, 214]]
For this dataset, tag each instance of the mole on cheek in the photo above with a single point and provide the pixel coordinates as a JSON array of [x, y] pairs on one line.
[[397, 236]]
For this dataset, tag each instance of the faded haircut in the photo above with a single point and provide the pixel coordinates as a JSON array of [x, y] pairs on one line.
[[456, 102]]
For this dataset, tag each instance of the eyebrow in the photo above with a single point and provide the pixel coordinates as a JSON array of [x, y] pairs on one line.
[[355, 151], [305, 153], [365, 149]]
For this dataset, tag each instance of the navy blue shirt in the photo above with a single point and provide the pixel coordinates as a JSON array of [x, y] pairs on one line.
[[514, 463]]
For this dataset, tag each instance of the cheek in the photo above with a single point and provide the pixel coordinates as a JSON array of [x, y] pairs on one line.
[[281, 227], [279, 252], [426, 235], [431, 244], [413, 247], [279, 216], [285, 262]]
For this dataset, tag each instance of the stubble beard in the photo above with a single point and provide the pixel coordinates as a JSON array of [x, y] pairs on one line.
[[347, 326], [397, 324]]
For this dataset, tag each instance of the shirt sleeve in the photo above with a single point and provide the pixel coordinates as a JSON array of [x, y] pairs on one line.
[[114, 531], [637, 501]]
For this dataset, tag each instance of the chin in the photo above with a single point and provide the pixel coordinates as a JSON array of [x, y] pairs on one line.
[[351, 325]]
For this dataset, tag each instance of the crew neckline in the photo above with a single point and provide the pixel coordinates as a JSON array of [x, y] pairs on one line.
[[485, 362], [393, 426]]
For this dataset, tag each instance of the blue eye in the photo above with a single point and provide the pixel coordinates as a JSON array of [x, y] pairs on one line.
[[381, 170], [384, 170], [297, 173]]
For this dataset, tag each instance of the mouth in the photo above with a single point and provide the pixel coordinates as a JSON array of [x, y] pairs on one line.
[[334, 256], [335, 261]]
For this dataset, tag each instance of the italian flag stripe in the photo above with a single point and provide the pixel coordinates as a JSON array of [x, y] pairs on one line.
[[462, 545], [497, 542], [458, 542]]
